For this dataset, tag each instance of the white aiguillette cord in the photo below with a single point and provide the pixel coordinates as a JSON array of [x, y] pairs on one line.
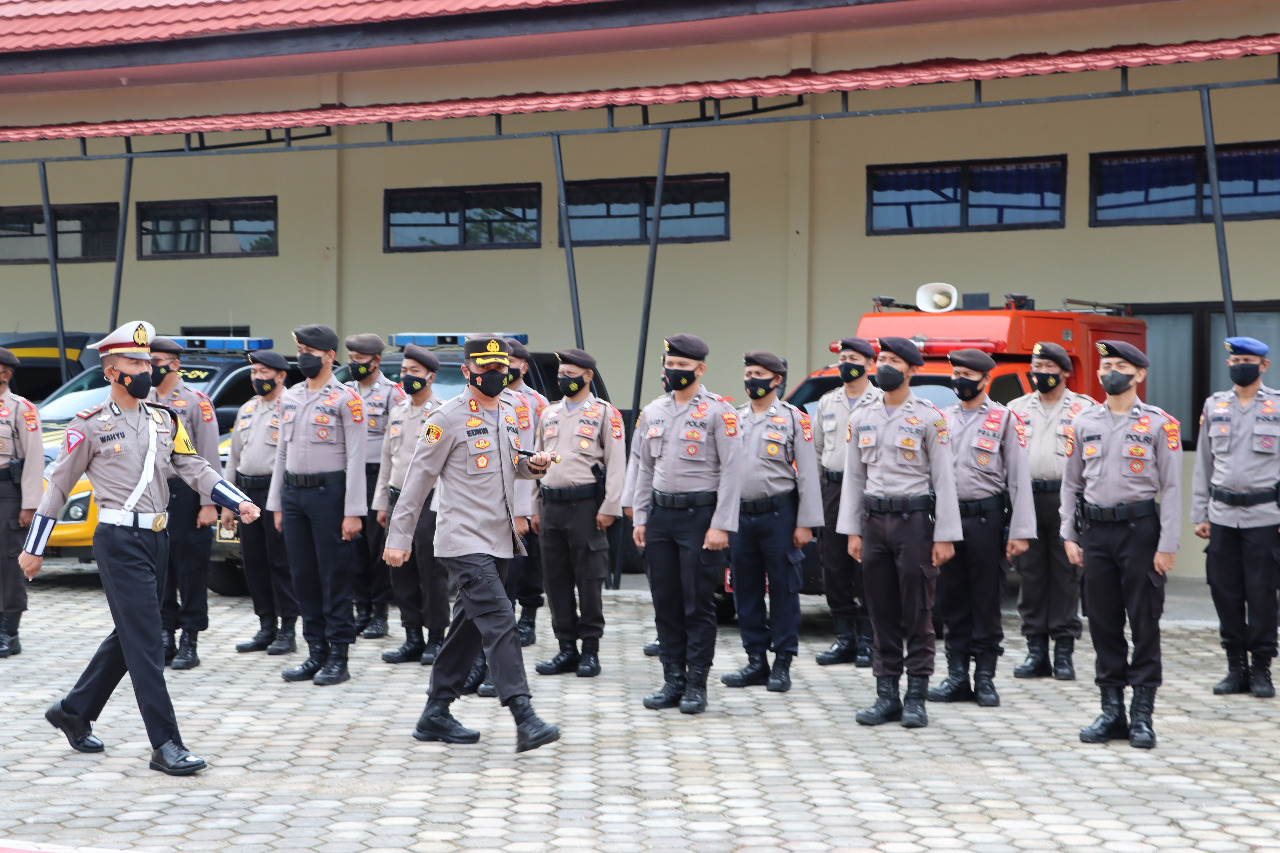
[[149, 466]]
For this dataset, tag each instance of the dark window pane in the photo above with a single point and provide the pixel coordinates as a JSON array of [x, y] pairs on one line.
[[1015, 193], [464, 217], [171, 229], [1249, 181], [1146, 187], [915, 198], [22, 236], [697, 207], [84, 233], [503, 216], [601, 211], [236, 227]]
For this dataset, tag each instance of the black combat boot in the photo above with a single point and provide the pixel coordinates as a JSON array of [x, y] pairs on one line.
[[476, 677], [286, 641], [261, 641], [412, 649], [364, 613], [317, 654], [1037, 663], [4, 635], [436, 723], [1111, 723], [565, 660], [334, 670], [1259, 674], [668, 696], [780, 675], [1238, 678], [377, 627], [1141, 734], [887, 708], [845, 648], [531, 732], [527, 626], [914, 715], [170, 647], [435, 639], [694, 700], [1063, 668], [10, 645], [589, 663], [755, 672], [955, 687], [984, 673], [651, 649], [866, 643], [486, 688], [186, 658]]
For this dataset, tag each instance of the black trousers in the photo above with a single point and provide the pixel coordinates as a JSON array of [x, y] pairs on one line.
[[1120, 581], [421, 585], [524, 575], [266, 567], [1049, 597], [575, 561], [482, 619], [971, 588], [1241, 568], [764, 557], [372, 581], [901, 582], [188, 574], [682, 581], [841, 574], [13, 583], [130, 563], [323, 565]]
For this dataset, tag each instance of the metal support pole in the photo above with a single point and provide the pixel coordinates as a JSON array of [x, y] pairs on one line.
[[1219, 229], [567, 238], [121, 231], [51, 242]]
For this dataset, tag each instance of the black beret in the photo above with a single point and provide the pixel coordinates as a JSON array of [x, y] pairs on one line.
[[904, 348], [268, 358], [7, 358], [1122, 349], [579, 357], [974, 359], [486, 349], [425, 357], [516, 349], [858, 345], [1053, 352], [765, 359], [366, 344], [317, 336], [166, 345], [686, 346]]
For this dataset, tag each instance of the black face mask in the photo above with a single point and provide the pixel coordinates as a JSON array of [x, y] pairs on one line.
[[360, 371], [570, 385], [138, 385], [1244, 375], [158, 374], [758, 389], [412, 384], [490, 382], [1115, 382], [310, 365], [850, 371], [1045, 382], [263, 387], [966, 389], [889, 378], [678, 379], [666, 383]]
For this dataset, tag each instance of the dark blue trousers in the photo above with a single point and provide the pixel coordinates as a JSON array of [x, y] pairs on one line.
[[187, 577], [682, 580], [323, 565], [763, 556]]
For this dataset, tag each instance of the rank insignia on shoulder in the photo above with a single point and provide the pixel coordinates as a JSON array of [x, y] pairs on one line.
[[472, 405]]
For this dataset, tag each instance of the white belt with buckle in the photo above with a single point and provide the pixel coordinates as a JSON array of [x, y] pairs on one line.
[[155, 521]]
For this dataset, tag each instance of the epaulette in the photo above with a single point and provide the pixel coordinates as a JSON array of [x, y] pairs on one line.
[[91, 411], [199, 393]]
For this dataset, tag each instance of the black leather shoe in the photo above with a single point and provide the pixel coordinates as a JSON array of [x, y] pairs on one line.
[[170, 647], [887, 707], [566, 660], [914, 715], [307, 670], [845, 648], [77, 729], [334, 670], [1259, 678], [412, 649], [531, 732], [173, 758], [755, 672], [651, 649], [377, 627], [694, 700], [1063, 668], [262, 640], [780, 674], [668, 696], [1111, 723], [186, 658], [286, 641], [1036, 664], [434, 642], [436, 723], [528, 626], [589, 662], [476, 677]]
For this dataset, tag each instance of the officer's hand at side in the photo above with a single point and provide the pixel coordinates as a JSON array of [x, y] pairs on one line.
[[382, 518], [802, 536], [207, 517], [351, 525], [604, 522], [535, 523], [30, 564], [1164, 562], [1075, 556], [1202, 530], [942, 552], [394, 556], [522, 526], [249, 512], [637, 535], [1016, 547], [628, 512], [228, 519], [25, 516], [855, 547], [279, 521], [715, 540]]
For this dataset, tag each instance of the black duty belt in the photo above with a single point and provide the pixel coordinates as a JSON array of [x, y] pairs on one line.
[[769, 504], [570, 493], [683, 500], [311, 481], [393, 498], [249, 481], [871, 503], [832, 476], [982, 506], [1123, 512], [1046, 485], [1241, 498]]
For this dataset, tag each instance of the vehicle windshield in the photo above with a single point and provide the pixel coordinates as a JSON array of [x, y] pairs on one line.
[[449, 381], [90, 389], [935, 389]]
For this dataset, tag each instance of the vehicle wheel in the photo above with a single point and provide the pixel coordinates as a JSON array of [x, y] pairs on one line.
[[226, 577]]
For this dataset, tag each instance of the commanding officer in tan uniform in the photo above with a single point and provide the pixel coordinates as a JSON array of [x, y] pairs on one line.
[[899, 478], [1120, 457], [1233, 505], [421, 586], [524, 575], [190, 522], [687, 488], [318, 497], [127, 448], [1049, 595], [21, 487], [781, 503], [578, 501], [471, 444], [841, 574], [255, 441], [371, 587], [990, 453]]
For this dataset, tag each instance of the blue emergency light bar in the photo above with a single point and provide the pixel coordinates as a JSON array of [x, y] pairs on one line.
[[224, 344], [422, 339]]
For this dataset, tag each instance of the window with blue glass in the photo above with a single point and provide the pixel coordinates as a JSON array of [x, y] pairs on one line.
[[617, 211], [988, 195], [497, 216], [1162, 187]]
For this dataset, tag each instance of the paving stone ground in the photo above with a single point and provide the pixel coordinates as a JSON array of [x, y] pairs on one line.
[[299, 767]]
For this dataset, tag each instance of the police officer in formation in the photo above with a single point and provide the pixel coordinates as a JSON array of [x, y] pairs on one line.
[[1233, 505], [21, 487], [994, 489], [470, 446], [1121, 456], [128, 448], [577, 502], [371, 587], [255, 440], [898, 507], [780, 504], [420, 584], [319, 499], [191, 521], [841, 574], [524, 575], [686, 503]]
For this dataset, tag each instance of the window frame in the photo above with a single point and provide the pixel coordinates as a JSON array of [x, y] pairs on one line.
[[58, 210], [206, 242], [462, 192], [965, 167], [645, 184]]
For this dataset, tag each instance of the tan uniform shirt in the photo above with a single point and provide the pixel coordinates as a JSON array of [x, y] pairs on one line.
[[694, 447], [21, 438], [590, 434], [990, 455], [1046, 427], [404, 426], [633, 468], [833, 421], [379, 398], [529, 408], [322, 431], [1124, 459], [1238, 451], [255, 439], [900, 454], [471, 452], [778, 458], [198, 419]]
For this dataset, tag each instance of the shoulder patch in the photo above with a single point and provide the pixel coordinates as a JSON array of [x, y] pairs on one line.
[[206, 410], [944, 434], [433, 433], [730, 423], [181, 441], [1020, 428], [74, 437], [1171, 434], [1071, 440], [356, 405]]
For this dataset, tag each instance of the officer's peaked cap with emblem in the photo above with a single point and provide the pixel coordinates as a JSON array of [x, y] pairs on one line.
[[317, 336], [167, 346], [425, 357], [974, 359], [1053, 352], [366, 344], [686, 346], [858, 345], [1246, 346], [903, 348], [765, 359], [268, 358], [516, 349], [1125, 350], [132, 340], [579, 357], [7, 358], [486, 349]]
